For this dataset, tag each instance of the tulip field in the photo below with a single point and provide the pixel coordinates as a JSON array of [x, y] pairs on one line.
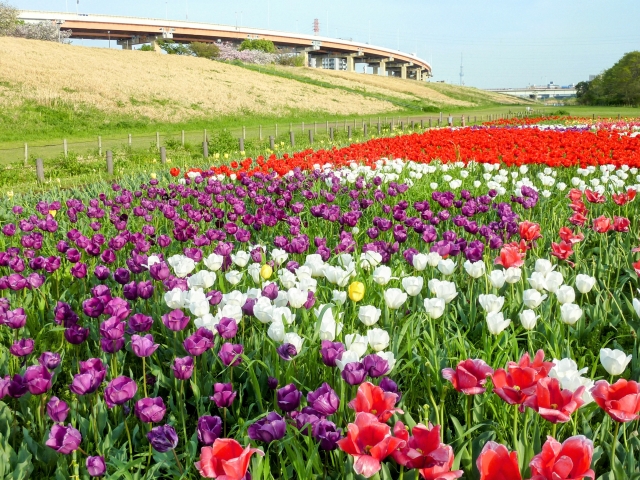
[[454, 303]]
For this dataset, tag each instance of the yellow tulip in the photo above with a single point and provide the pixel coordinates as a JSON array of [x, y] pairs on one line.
[[53, 212], [266, 271], [154, 176], [356, 291]]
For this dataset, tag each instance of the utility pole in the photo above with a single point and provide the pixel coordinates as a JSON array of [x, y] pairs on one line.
[[77, 3], [186, 2], [109, 33]]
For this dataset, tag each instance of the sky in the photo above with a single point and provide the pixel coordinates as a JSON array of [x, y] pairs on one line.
[[500, 43]]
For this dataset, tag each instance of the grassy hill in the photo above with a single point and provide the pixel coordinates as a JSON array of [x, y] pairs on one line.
[[48, 90]]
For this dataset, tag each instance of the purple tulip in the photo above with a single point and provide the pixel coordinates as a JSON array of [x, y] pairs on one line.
[[49, 360], [112, 328], [96, 466], [130, 291], [324, 400], [306, 419], [230, 354], [93, 307], [223, 395], [143, 346], [227, 328], [79, 270], [288, 398], [57, 409], [182, 368], [287, 351], [145, 290], [159, 271], [354, 373], [389, 385], [272, 383], [38, 379], [101, 272], [92, 373], [119, 391], [15, 319], [175, 320], [122, 276], [215, 297], [270, 428], [22, 347], [16, 282], [330, 352], [76, 334], [117, 307], [64, 439], [270, 291], [196, 344], [140, 323], [150, 410], [209, 429], [163, 438], [375, 365], [17, 387], [111, 346], [326, 433]]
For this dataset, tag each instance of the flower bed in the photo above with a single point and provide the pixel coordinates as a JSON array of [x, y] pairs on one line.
[[367, 318]]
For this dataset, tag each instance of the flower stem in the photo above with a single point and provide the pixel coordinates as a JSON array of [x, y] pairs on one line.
[[515, 427], [144, 375], [469, 409], [129, 437], [178, 462], [613, 447]]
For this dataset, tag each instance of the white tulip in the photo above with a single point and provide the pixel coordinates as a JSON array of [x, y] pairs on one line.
[[356, 343], [433, 259], [214, 262], [528, 318], [231, 311], [378, 339], [234, 277], [584, 283], [279, 256], [175, 298], [537, 280], [554, 281], [287, 279], [369, 315], [381, 275], [202, 279], [566, 294], [513, 274], [294, 339], [282, 300], [614, 361], [544, 266], [329, 328], [532, 298], [370, 259], [304, 273], [283, 315], [338, 297], [241, 258], [434, 307], [497, 279], [475, 269], [394, 298], [194, 295], [413, 285], [443, 289], [276, 331], [570, 313], [496, 323], [254, 293], [316, 264], [348, 356], [307, 284], [446, 267], [491, 303], [182, 265], [263, 310], [254, 271], [389, 357], [235, 297], [152, 260], [207, 321], [420, 261], [297, 298], [566, 371]]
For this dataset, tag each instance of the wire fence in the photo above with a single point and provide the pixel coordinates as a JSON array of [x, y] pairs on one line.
[[28, 164]]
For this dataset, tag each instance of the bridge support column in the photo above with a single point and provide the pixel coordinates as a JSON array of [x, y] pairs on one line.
[[383, 68], [403, 71], [305, 55], [350, 64], [418, 74], [375, 70], [156, 47]]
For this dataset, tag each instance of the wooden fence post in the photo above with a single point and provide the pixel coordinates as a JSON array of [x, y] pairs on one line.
[[311, 137], [109, 162], [276, 135], [241, 143], [40, 170], [260, 134], [183, 138], [130, 140], [327, 127], [66, 151], [99, 145], [292, 138], [379, 126], [163, 155], [302, 129], [331, 134], [26, 154], [349, 132], [364, 130], [205, 149], [271, 143]]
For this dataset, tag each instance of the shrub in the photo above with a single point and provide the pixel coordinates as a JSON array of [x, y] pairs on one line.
[[290, 60], [146, 48], [173, 48], [8, 18], [266, 46], [47, 31], [205, 50]]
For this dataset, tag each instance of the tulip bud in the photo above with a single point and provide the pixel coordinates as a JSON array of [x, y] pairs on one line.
[[356, 291]]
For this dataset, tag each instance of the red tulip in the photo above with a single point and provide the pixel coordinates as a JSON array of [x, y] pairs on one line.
[[578, 219], [578, 206], [497, 463], [175, 171], [636, 267], [574, 194], [529, 231], [374, 400], [594, 197], [567, 236], [510, 256], [519, 381], [602, 224], [569, 460], [621, 400], [425, 452], [553, 404], [469, 376], [561, 250], [621, 224], [369, 442], [225, 459]]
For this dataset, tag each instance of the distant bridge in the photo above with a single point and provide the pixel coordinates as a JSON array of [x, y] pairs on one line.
[[331, 53], [539, 93]]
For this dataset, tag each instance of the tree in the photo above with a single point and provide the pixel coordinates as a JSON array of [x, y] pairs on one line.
[[173, 48], [205, 50], [8, 19], [619, 85], [266, 46]]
